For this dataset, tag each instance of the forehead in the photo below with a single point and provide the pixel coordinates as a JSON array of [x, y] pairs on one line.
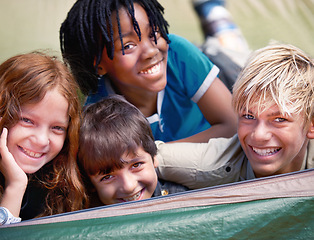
[[53, 104], [125, 17], [260, 109]]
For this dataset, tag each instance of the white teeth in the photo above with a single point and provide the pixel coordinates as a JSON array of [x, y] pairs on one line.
[[32, 154], [265, 152], [133, 198], [154, 69]]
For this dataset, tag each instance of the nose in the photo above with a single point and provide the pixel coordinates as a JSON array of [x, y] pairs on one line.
[[149, 48], [128, 183], [261, 131], [41, 137]]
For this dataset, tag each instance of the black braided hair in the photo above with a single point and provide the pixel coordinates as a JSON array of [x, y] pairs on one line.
[[87, 29]]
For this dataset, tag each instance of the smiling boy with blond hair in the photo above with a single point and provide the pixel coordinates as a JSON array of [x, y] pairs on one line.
[[273, 98]]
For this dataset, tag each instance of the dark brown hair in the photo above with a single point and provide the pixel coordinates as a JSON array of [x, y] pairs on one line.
[[110, 128]]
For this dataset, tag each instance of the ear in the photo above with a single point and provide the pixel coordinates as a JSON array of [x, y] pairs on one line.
[[310, 133], [156, 163], [101, 70]]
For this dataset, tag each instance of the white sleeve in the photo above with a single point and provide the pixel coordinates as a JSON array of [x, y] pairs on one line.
[[198, 165]]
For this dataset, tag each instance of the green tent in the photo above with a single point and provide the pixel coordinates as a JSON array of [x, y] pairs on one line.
[[279, 207]]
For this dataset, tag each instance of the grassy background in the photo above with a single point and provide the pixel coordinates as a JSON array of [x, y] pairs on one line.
[[288, 21], [27, 25]]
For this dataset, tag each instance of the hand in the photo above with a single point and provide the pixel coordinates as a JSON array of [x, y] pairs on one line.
[[15, 178], [10, 169]]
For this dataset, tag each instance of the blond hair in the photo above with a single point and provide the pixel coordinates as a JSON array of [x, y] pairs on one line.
[[278, 74]]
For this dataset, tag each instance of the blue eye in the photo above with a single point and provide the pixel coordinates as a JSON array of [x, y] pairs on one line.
[[59, 128], [248, 116], [26, 120], [280, 119]]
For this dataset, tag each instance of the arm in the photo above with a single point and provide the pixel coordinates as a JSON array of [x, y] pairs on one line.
[[198, 165], [15, 178], [216, 107], [177, 162]]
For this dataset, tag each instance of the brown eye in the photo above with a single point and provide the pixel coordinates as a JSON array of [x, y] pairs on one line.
[[137, 165], [128, 46], [106, 177]]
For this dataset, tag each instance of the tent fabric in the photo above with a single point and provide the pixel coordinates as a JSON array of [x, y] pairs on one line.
[[279, 207], [283, 218]]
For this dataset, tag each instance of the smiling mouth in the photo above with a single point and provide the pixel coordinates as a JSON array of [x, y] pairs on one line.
[[266, 151], [31, 153], [152, 70], [133, 198]]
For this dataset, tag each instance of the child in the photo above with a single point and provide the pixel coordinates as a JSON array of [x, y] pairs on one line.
[[274, 100], [39, 111], [117, 153], [126, 44]]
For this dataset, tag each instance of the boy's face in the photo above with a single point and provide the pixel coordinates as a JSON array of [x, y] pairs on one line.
[[137, 179], [273, 143], [143, 65]]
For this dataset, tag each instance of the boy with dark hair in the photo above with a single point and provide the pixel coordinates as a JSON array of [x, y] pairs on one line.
[[117, 153]]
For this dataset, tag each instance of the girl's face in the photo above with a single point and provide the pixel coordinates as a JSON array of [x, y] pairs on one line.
[[143, 66], [39, 135]]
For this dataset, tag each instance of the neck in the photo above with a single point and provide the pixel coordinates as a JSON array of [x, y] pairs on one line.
[[145, 101]]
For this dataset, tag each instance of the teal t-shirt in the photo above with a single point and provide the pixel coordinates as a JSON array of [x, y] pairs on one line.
[[189, 75]]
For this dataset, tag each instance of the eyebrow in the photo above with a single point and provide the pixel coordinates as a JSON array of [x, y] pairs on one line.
[[271, 114], [122, 36], [276, 114], [111, 169], [133, 160]]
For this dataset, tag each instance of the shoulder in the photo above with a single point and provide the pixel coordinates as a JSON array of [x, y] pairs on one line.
[[166, 187], [181, 51], [179, 43], [176, 39], [187, 63]]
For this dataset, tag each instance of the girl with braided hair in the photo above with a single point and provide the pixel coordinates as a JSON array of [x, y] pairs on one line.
[[123, 47]]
